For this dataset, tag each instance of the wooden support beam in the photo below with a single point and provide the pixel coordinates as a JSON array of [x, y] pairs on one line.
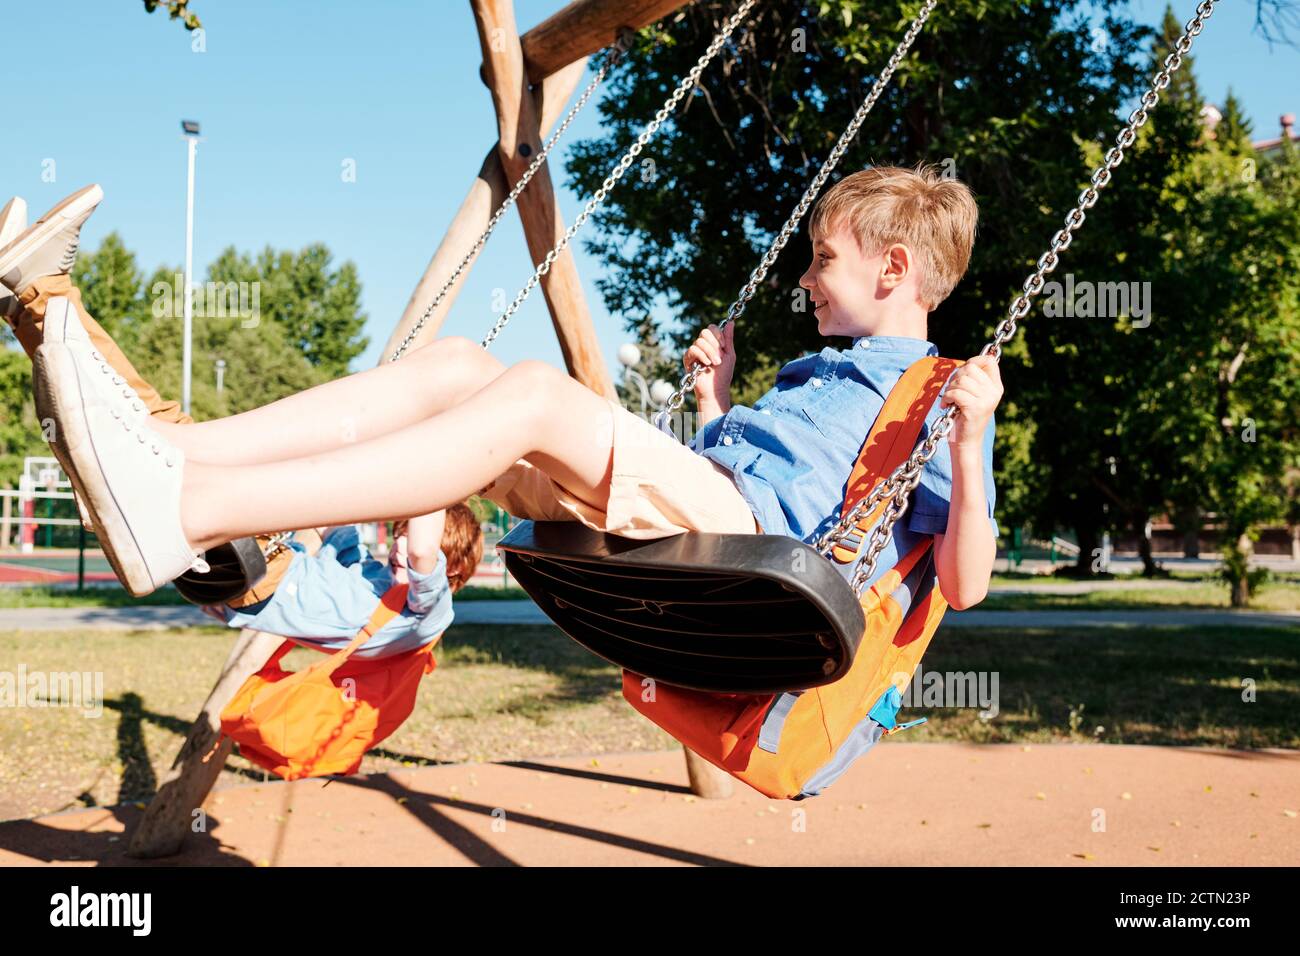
[[486, 193], [170, 816], [584, 27], [520, 138]]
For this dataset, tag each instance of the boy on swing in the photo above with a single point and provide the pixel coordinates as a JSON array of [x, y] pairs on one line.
[[889, 246], [322, 587]]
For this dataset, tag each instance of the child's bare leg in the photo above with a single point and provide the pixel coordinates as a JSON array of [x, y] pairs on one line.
[[530, 411], [348, 410]]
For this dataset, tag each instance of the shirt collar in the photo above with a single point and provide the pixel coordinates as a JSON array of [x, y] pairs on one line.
[[895, 343]]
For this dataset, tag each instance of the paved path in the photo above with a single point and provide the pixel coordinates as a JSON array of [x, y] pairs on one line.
[[945, 804], [526, 612]]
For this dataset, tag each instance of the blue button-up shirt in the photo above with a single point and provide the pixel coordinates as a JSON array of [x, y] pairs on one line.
[[791, 454], [325, 599]]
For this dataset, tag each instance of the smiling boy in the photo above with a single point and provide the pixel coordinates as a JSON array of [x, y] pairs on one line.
[[889, 245]]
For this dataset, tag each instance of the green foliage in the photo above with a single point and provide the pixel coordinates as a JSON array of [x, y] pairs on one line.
[[316, 307], [1237, 573], [19, 434], [177, 10], [109, 280], [1232, 135]]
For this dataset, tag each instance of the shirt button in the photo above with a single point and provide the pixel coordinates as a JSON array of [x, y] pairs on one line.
[[727, 440], [766, 411], [865, 343], [816, 383]]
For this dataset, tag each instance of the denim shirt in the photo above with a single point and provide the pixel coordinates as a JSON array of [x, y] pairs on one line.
[[791, 454], [325, 599]]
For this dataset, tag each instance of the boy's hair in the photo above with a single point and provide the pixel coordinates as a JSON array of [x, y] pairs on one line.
[[934, 216], [462, 544]]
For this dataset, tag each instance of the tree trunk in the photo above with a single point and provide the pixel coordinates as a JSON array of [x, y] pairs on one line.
[[1241, 586], [1295, 542], [1089, 541], [1142, 529], [1190, 522]]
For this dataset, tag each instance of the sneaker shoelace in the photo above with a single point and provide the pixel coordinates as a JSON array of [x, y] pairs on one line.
[[70, 254], [133, 400], [154, 444]]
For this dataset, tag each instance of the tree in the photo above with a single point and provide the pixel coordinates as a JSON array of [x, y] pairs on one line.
[[1199, 422], [1232, 135], [110, 284], [316, 307], [1105, 463]]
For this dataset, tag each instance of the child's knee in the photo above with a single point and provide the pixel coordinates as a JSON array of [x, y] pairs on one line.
[[538, 380], [461, 353]]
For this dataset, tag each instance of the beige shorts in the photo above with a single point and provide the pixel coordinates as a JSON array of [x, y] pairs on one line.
[[659, 487]]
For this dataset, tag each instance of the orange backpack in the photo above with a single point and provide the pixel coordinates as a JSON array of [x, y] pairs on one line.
[[322, 720], [795, 744]]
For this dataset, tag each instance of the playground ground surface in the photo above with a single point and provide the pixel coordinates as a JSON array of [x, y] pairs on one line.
[[953, 804]]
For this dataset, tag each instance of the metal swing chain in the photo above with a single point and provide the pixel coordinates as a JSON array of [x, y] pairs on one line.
[[810, 194], [615, 54], [619, 169], [899, 485]]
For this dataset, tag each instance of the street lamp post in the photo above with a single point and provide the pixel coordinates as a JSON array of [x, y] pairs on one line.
[[191, 131]]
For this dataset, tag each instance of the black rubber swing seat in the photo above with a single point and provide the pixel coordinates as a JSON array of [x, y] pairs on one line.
[[234, 568], [744, 613]]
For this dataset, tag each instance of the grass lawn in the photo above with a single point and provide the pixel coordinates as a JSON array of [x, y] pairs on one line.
[[114, 596], [1190, 595], [505, 693]]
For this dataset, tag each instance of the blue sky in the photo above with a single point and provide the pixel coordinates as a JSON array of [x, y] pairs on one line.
[[287, 91]]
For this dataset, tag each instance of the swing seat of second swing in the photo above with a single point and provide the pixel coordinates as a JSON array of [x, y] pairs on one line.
[[724, 613]]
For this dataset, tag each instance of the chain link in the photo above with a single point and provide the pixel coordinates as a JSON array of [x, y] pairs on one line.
[[895, 489], [621, 167], [614, 55], [809, 195]]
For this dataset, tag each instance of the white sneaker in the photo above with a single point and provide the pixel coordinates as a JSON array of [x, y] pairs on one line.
[[13, 223], [63, 325], [50, 246], [129, 478]]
